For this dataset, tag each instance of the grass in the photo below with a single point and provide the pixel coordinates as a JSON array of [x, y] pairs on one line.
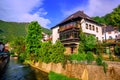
[[56, 76]]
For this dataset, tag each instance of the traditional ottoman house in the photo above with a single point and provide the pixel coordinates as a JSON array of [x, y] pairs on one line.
[[68, 30]]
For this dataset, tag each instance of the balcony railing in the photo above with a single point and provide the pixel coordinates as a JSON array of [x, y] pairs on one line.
[[69, 40], [67, 28]]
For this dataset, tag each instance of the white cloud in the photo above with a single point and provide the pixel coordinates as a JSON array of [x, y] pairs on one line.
[[95, 7], [19, 11]]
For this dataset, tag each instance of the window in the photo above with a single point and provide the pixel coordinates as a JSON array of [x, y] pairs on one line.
[[93, 28], [115, 36], [96, 29], [90, 27], [76, 35], [110, 37], [67, 35], [86, 26]]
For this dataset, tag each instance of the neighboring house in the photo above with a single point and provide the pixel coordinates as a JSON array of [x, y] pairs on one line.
[[68, 30], [110, 33], [46, 37]]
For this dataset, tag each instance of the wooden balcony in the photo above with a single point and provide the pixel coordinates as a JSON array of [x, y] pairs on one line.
[[70, 40], [67, 28]]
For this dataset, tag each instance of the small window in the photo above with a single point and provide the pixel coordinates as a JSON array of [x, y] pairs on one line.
[[115, 36], [93, 27], [86, 26], [96, 29], [110, 37], [90, 27]]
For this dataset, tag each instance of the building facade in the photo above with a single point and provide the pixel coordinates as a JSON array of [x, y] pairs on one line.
[[68, 30], [110, 33]]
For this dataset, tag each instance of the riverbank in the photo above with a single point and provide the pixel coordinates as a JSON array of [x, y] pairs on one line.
[[18, 71], [82, 71]]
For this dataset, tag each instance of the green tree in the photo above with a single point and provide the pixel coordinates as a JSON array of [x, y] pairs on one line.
[[99, 19], [33, 39], [81, 47], [89, 57], [18, 45], [90, 43], [115, 16], [57, 52], [45, 52], [86, 43]]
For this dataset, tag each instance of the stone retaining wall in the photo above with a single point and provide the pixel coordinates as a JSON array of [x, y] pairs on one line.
[[82, 71]]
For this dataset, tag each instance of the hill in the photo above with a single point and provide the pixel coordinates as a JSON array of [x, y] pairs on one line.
[[10, 30]]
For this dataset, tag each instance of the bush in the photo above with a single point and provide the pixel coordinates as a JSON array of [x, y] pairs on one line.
[[21, 57], [89, 57], [105, 65], [57, 52], [99, 60], [78, 57], [55, 76], [117, 50]]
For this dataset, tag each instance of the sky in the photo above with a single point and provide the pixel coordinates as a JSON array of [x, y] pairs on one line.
[[51, 12]]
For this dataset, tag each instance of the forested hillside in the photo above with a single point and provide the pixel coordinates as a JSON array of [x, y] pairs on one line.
[[112, 18], [10, 30]]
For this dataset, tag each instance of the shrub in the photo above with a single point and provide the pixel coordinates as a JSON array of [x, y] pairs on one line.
[[89, 57], [55, 76], [57, 52], [99, 60], [73, 56], [105, 65], [78, 57], [21, 57]]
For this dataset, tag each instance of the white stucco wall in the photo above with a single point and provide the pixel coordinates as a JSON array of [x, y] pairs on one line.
[[113, 34], [97, 34], [55, 34]]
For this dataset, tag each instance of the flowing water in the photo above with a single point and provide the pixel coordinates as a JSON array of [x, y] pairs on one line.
[[17, 71]]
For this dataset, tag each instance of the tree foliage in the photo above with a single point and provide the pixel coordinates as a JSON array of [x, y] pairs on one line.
[[115, 16], [89, 57], [57, 52], [18, 45], [51, 52], [90, 42], [45, 52], [86, 43], [18, 48], [112, 18], [33, 39], [82, 37]]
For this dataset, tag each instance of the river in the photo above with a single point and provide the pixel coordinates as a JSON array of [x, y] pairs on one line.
[[17, 71]]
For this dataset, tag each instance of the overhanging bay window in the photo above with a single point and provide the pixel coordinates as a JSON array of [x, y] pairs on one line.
[[69, 35]]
